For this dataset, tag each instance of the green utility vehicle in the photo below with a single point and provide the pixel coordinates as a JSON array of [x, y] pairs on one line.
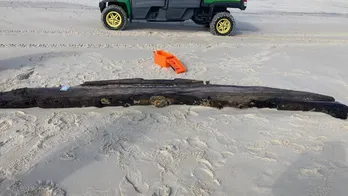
[[116, 14]]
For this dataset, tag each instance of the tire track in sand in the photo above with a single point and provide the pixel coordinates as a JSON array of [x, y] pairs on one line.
[[88, 32], [138, 46], [152, 46], [326, 38], [46, 5]]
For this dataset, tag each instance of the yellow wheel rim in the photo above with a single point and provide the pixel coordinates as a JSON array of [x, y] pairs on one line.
[[113, 19], [223, 25]]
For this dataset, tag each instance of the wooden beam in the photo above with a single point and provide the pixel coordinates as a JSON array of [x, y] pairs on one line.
[[161, 93]]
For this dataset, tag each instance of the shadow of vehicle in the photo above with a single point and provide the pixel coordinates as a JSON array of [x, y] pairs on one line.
[[187, 26]]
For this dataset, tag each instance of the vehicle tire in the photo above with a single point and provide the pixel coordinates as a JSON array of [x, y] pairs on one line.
[[114, 18], [222, 24]]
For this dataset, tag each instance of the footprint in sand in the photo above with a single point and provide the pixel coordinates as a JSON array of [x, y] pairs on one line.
[[310, 172], [26, 117], [24, 76], [206, 178], [258, 119], [270, 156], [44, 188], [204, 175], [64, 120], [2, 175], [214, 157], [163, 191], [133, 182], [205, 163], [197, 143], [5, 125], [68, 156]]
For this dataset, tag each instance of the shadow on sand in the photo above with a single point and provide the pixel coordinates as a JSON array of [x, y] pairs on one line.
[[30, 60], [322, 173], [187, 26], [97, 151]]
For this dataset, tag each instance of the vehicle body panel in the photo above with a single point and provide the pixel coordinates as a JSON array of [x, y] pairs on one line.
[[168, 10]]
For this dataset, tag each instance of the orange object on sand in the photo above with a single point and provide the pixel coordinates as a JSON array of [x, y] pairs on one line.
[[166, 59]]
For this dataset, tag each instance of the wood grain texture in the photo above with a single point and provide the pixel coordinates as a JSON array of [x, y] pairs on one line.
[[161, 93]]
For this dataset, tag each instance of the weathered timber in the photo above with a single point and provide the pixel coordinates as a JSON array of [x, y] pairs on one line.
[[161, 93], [141, 81]]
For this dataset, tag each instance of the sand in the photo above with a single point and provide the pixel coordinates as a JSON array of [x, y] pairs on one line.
[[177, 150]]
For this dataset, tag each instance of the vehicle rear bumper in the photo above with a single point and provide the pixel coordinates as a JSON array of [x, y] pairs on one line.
[[243, 4]]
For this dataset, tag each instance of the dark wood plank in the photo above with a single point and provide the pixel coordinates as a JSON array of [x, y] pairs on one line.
[[161, 93]]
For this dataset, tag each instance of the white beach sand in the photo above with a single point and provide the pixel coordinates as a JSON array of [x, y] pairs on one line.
[[177, 150]]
